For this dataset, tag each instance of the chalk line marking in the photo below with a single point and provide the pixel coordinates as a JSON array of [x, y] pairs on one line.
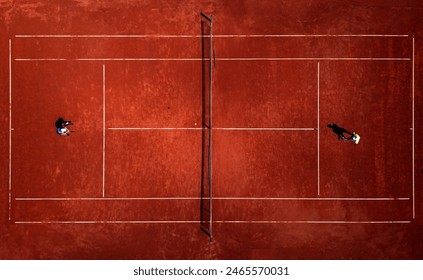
[[305, 35], [10, 130], [318, 128], [215, 128], [104, 198], [222, 59], [412, 132], [155, 128], [264, 128], [215, 198], [313, 222], [316, 198], [107, 222], [200, 36], [219, 222], [104, 126], [106, 36], [314, 58], [109, 59], [211, 133]]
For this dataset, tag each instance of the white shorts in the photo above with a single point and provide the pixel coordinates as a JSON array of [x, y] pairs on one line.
[[63, 130]]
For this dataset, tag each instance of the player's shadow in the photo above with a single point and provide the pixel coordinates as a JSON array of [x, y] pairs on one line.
[[59, 122], [339, 131]]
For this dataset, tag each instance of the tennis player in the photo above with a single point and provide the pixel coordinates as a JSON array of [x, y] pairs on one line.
[[61, 126], [63, 131], [355, 137], [340, 131]]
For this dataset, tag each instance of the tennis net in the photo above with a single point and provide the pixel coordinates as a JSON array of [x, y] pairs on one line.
[[206, 207]]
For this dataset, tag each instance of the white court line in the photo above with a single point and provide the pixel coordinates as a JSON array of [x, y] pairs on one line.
[[314, 58], [154, 128], [412, 132], [215, 128], [264, 128], [218, 222], [142, 59], [305, 35], [313, 222], [200, 36], [107, 222], [223, 59], [103, 198], [210, 159], [214, 198], [104, 124], [316, 198], [110, 59], [109, 36], [10, 129], [318, 128], [41, 59]]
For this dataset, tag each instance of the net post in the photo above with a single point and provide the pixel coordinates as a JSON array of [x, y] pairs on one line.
[[206, 17]]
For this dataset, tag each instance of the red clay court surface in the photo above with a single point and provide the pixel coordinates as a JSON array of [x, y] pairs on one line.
[[130, 75]]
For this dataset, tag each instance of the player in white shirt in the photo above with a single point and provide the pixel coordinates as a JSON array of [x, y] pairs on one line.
[[341, 131], [61, 126]]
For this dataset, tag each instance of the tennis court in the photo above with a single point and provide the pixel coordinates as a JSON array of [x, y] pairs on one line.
[[203, 136]]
